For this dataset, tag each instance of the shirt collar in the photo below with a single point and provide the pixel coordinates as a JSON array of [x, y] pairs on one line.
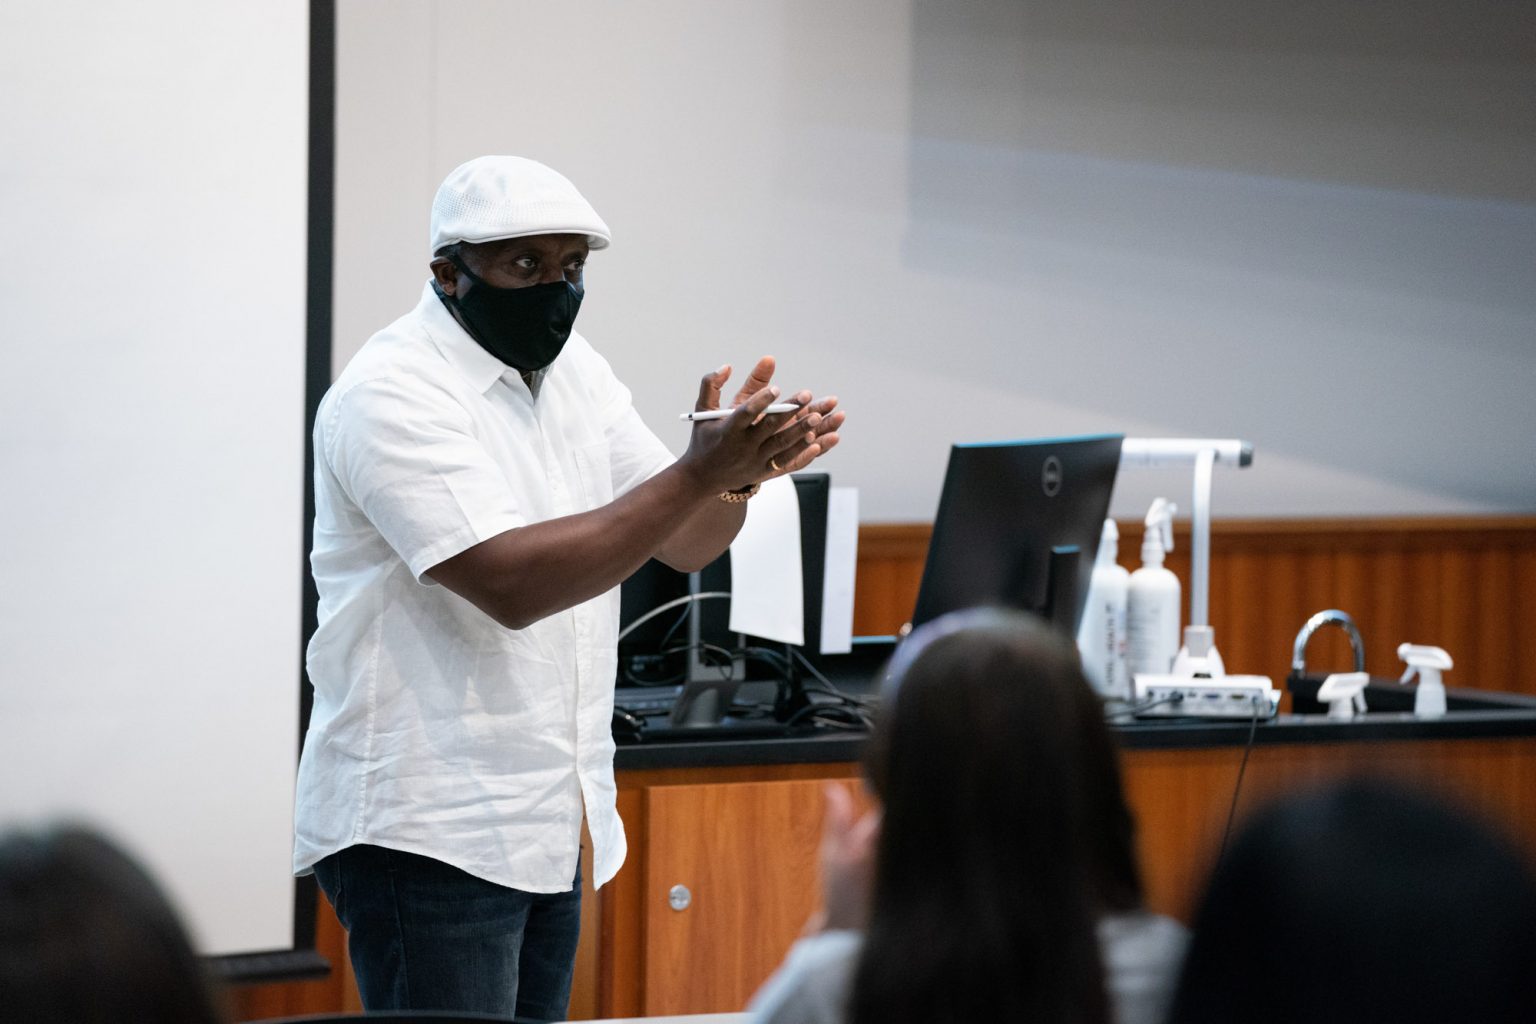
[[463, 353]]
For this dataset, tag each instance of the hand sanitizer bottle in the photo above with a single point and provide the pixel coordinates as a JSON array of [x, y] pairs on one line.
[[1154, 597], [1101, 638]]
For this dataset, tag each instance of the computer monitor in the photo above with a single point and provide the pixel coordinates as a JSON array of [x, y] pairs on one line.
[[1018, 526], [693, 643]]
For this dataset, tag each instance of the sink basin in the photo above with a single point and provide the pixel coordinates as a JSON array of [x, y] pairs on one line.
[[1387, 694]]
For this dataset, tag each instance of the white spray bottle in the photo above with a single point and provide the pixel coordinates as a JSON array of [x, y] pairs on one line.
[[1101, 638], [1428, 662], [1154, 598]]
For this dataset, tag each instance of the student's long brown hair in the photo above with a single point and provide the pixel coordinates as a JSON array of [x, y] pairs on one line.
[[86, 936], [1004, 835]]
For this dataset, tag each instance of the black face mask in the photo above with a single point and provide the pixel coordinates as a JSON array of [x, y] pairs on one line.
[[523, 327]]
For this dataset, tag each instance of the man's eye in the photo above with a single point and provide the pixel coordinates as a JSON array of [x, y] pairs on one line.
[[576, 265], [526, 263]]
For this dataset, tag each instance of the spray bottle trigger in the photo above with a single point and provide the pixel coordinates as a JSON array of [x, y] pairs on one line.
[[1427, 662]]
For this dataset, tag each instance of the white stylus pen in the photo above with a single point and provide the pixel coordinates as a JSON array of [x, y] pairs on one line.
[[720, 414]]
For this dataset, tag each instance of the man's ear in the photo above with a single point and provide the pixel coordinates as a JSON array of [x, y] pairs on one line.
[[446, 274]]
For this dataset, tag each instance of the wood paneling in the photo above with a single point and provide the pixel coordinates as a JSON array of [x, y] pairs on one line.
[[889, 568], [1465, 584], [1182, 797]]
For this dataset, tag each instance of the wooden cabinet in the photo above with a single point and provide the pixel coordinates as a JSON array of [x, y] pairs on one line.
[[742, 841], [725, 888]]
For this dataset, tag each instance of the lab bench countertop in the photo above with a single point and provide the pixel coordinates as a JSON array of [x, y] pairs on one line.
[[716, 748]]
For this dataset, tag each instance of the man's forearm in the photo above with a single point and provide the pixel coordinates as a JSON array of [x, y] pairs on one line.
[[523, 575], [704, 535]]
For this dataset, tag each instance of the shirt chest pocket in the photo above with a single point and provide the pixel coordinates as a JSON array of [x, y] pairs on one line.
[[596, 473]]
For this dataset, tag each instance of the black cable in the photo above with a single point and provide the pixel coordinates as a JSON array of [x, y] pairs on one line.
[[1145, 706], [630, 679], [721, 659], [1253, 729], [666, 637], [830, 686], [780, 663], [827, 687], [758, 709], [724, 658], [860, 705], [832, 716], [626, 665]]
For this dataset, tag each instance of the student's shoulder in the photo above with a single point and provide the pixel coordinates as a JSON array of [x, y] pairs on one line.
[[1141, 950], [812, 985]]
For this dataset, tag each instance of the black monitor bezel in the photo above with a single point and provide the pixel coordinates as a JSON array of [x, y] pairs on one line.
[[997, 509]]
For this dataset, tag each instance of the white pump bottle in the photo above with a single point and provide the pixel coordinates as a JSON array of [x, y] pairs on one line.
[[1154, 598], [1101, 638]]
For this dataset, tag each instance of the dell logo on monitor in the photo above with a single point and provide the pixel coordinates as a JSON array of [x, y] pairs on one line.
[[1050, 476]]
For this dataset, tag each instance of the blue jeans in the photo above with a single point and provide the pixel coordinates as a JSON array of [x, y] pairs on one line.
[[426, 936]]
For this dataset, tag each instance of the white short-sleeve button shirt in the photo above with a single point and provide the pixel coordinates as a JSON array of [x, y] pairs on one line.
[[435, 730]]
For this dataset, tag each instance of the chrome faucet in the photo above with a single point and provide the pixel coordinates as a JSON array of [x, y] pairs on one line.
[[1331, 617]]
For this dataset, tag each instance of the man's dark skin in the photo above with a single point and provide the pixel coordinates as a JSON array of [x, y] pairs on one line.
[[523, 575]]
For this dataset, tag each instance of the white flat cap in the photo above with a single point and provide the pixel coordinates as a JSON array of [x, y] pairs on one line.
[[495, 197]]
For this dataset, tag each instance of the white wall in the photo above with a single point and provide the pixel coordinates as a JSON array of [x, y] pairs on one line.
[[1312, 226], [152, 276]]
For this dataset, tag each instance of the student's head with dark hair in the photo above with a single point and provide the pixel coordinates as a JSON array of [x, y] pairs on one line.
[[87, 937], [1363, 903], [1004, 833]]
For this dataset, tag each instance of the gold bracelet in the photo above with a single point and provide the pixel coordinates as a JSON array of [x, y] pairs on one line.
[[742, 495]]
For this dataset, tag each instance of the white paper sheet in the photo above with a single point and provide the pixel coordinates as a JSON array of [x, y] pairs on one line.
[[767, 592], [842, 558]]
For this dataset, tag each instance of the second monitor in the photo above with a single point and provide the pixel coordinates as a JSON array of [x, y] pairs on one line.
[[694, 646], [1018, 526]]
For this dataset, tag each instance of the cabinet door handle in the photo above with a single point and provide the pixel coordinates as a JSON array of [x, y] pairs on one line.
[[678, 897]]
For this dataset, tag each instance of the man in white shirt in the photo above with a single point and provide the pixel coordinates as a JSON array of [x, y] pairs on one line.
[[483, 484]]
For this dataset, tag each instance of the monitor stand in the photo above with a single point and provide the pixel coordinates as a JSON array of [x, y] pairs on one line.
[[1061, 606], [711, 684]]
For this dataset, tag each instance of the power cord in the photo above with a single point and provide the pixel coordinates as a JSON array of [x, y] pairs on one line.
[[1137, 709], [676, 602], [828, 686], [831, 716], [838, 711], [1253, 729]]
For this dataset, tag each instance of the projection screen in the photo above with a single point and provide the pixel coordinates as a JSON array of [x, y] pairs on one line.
[[153, 190]]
